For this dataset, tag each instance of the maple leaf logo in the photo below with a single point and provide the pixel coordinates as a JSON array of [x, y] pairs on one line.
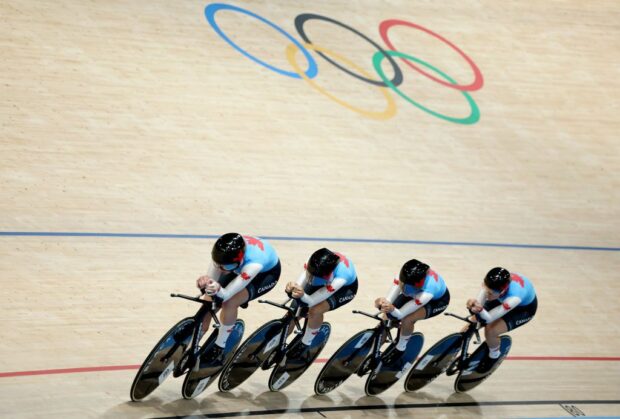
[[343, 258], [518, 279], [253, 241]]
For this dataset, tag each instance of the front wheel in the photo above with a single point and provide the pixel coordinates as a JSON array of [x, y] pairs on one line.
[[344, 362], [162, 359]]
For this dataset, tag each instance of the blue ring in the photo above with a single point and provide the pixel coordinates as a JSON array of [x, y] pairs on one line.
[[210, 10]]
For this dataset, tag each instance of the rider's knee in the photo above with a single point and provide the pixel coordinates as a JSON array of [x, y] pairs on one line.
[[493, 329], [315, 311], [229, 305]]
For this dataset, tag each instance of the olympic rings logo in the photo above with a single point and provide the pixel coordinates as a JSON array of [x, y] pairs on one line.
[[385, 85]]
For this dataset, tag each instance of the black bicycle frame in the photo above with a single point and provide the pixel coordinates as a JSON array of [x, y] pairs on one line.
[[472, 330], [197, 333], [290, 316], [383, 330]]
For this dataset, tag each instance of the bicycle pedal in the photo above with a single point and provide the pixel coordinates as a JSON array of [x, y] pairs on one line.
[[176, 373], [364, 368], [268, 362]]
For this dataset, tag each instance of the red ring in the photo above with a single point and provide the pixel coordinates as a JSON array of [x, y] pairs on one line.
[[478, 80]]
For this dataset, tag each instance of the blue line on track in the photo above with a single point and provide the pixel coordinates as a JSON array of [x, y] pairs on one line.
[[312, 239]]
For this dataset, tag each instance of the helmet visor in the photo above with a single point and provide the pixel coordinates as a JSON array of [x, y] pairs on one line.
[[316, 280], [409, 290], [495, 292], [228, 267]]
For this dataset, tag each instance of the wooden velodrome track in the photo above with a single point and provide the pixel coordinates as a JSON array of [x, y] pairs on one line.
[[133, 134]]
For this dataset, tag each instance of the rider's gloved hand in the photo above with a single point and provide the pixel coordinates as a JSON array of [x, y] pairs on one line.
[[289, 289], [380, 301], [297, 292], [203, 281], [387, 307], [473, 306], [212, 288]]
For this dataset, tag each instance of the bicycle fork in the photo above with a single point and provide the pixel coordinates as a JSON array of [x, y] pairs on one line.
[[190, 357]]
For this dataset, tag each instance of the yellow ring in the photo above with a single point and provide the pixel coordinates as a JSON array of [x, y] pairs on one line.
[[389, 112]]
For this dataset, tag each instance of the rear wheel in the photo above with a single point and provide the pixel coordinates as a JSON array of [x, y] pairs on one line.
[[439, 358], [289, 370], [469, 376], [388, 372], [256, 349], [205, 369]]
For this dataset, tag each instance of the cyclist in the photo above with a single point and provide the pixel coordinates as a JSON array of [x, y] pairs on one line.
[[242, 269], [418, 293], [328, 281], [506, 301]]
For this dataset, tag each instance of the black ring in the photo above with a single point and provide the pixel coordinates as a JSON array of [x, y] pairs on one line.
[[301, 19]]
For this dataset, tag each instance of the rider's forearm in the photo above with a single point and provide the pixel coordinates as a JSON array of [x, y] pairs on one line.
[[213, 272], [394, 292], [301, 280], [419, 301], [482, 297], [240, 282], [323, 293], [499, 311]]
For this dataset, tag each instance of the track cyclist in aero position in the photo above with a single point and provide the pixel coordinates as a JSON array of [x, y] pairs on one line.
[[329, 281], [242, 269], [505, 302], [418, 293]]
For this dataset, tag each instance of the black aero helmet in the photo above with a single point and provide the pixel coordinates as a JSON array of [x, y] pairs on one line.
[[412, 272], [228, 249], [497, 279], [322, 263]]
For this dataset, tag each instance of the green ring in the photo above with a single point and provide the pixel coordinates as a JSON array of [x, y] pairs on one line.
[[475, 112]]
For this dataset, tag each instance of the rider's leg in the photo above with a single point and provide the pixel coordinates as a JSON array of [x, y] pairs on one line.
[[205, 323], [228, 316], [406, 327], [315, 319], [492, 333]]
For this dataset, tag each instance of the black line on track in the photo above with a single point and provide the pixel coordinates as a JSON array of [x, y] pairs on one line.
[[385, 407]]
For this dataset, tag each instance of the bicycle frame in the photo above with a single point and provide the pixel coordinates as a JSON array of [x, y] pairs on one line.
[[472, 330], [176, 352], [383, 330], [291, 316], [197, 334]]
